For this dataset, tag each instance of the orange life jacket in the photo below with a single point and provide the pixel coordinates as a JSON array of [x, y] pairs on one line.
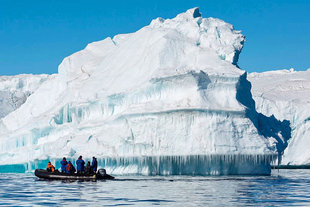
[[51, 167], [69, 167]]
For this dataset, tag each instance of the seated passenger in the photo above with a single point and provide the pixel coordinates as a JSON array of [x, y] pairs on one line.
[[88, 169], [70, 168], [73, 168], [50, 167], [63, 165]]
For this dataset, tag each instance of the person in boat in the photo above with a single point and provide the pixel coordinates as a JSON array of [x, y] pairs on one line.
[[63, 165], [80, 165], [50, 167], [94, 165], [70, 168], [88, 169]]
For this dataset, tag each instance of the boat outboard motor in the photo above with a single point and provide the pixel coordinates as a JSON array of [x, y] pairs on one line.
[[102, 172]]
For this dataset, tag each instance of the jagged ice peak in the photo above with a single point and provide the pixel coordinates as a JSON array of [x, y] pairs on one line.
[[188, 41]]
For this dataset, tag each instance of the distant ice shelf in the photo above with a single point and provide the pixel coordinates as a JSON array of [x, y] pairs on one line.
[[14, 90]]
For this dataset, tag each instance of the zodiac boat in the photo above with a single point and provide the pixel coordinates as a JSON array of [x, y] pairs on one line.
[[56, 175]]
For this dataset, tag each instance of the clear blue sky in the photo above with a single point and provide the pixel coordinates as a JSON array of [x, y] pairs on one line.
[[36, 35]]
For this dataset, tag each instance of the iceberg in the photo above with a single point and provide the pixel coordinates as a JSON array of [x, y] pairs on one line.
[[167, 99]]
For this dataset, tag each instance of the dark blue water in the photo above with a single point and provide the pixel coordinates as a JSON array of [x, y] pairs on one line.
[[286, 188]]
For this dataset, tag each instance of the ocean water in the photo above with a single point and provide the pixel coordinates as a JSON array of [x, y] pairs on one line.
[[283, 188]]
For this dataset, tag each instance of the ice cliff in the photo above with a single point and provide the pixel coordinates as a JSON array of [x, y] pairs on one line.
[[285, 94], [167, 99]]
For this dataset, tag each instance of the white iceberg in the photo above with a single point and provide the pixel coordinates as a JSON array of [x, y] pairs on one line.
[[167, 99]]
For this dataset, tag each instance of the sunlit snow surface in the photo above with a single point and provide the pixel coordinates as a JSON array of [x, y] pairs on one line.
[[171, 89]]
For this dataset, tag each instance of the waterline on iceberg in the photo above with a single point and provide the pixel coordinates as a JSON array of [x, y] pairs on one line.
[[214, 164]]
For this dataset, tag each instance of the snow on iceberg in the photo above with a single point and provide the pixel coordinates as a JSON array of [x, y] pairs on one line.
[[167, 99]]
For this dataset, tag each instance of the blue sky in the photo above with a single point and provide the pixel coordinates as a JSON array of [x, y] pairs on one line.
[[36, 35]]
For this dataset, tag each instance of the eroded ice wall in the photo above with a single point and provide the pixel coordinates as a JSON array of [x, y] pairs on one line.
[[217, 164]]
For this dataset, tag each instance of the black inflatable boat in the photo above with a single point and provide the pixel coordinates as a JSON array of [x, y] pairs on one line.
[[56, 175]]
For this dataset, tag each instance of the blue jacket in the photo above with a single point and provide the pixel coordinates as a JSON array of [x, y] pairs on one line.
[[80, 165], [63, 165], [94, 164]]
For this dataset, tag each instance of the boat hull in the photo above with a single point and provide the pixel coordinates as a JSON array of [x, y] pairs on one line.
[[64, 176]]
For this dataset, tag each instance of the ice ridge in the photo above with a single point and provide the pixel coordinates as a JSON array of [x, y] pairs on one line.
[[285, 94]]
